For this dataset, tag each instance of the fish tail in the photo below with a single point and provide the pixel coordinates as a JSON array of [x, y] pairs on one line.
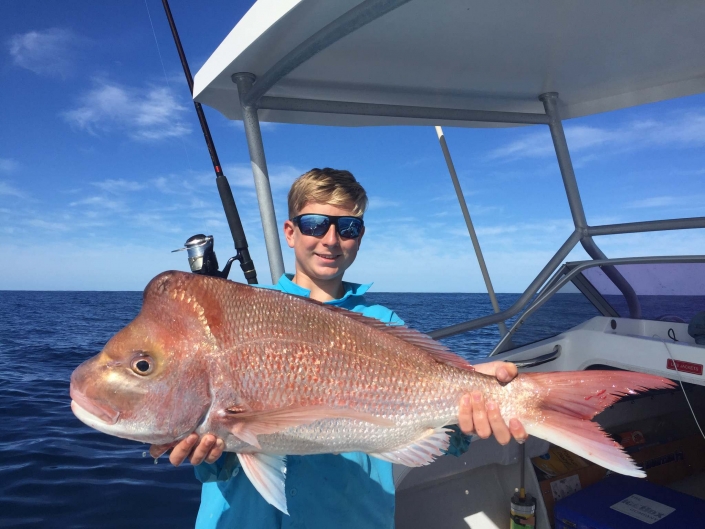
[[571, 399]]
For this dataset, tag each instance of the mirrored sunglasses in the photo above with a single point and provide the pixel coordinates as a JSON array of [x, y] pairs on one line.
[[317, 225]]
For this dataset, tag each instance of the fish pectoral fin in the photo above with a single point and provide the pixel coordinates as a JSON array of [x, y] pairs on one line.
[[267, 473], [421, 451], [248, 425]]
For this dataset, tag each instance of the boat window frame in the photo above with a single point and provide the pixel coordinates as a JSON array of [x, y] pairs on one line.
[[569, 272]]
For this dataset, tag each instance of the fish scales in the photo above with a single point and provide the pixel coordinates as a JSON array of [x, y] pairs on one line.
[[298, 352]]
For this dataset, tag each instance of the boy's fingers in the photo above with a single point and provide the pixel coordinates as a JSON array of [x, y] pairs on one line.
[[506, 372], [517, 430], [465, 415], [183, 449], [216, 451], [502, 371], [203, 449], [499, 428], [479, 416]]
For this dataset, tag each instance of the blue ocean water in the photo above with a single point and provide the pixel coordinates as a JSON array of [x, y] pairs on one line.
[[57, 472]]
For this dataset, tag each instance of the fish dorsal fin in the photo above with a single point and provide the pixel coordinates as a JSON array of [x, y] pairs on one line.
[[439, 352]]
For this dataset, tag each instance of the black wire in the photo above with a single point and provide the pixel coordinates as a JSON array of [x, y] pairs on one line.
[[672, 335]]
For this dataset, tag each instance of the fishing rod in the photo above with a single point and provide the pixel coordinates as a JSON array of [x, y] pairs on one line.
[[200, 247]]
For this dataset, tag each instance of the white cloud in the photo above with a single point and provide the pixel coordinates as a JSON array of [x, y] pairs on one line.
[[145, 114], [47, 225], [423, 257], [452, 197], [687, 129], [197, 203], [479, 209], [655, 202], [378, 202], [175, 185], [9, 190], [532, 145], [216, 224], [105, 265], [45, 52], [678, 242], [8, 165], [119, 185], [99, 202], [683, 203], [280, 176], [688, 172], [156, 222], [547, 226]]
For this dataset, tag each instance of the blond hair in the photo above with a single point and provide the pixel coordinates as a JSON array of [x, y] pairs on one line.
[[327, 186]]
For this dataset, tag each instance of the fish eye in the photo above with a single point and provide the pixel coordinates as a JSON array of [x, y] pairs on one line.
[[142, 365]]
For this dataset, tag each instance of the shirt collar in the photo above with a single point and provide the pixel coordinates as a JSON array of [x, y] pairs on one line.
[[351, 289]]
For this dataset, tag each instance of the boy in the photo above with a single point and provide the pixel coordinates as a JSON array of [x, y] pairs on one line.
[[325, 229]]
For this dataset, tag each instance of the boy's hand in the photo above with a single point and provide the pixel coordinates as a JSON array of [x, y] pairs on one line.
[[208, 449], [483, 419]]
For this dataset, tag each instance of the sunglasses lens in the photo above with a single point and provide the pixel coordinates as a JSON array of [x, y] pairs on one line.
[[315, 225], [349, 227]]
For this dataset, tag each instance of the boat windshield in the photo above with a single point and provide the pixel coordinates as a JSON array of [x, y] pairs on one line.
[[666, 291], [564, 310], [672, 292]]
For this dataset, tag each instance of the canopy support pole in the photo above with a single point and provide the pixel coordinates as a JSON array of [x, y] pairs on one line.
[[520, 303], [649, 225], [471, 228], [253, 133], [550, 104]]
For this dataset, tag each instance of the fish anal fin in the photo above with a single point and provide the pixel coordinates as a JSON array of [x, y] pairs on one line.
[[267, 473], [422, 451], [248, 425]]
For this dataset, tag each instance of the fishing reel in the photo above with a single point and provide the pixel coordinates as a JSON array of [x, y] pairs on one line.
[[202, 259]]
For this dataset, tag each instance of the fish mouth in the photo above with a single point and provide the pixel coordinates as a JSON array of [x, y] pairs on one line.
[[81, 405]]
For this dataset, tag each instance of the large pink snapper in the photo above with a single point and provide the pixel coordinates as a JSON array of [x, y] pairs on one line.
[[273, 374]]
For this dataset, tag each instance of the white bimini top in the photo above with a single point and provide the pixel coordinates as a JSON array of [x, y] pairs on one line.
[[499, 55]]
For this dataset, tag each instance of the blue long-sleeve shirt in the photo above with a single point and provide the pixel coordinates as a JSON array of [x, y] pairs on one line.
[[346, 491]]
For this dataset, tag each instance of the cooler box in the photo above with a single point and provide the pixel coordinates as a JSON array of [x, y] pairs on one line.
[[621, 502]]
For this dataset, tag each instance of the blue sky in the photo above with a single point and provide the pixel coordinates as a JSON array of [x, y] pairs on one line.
[[103, 168]]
